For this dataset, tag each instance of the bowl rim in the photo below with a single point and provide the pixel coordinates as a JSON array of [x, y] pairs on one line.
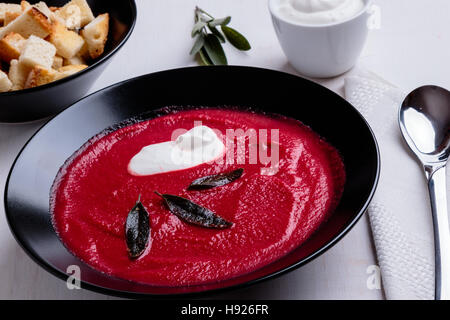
[[139, 295], [97, 63]]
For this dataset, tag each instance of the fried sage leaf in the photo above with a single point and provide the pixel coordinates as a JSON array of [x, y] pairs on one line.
[[215, 180], [137, 230], [194, 213]]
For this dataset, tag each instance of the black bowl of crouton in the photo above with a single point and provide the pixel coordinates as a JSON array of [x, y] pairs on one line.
[[52, 51]]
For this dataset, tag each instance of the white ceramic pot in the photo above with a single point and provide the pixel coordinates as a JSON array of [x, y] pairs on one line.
[[325, 50]]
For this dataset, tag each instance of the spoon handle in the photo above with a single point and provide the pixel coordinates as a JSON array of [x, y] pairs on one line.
[[438, 196]]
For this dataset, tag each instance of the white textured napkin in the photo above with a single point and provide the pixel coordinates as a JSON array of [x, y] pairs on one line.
[[400, 213]]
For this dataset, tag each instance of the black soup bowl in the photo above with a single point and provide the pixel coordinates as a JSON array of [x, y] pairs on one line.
[[28, 187], [43, 101]]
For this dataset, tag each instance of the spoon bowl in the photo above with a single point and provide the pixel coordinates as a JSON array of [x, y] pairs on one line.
[[425, 122]]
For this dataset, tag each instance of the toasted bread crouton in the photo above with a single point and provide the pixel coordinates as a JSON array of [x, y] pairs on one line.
[[77, 60], [76, 14], [5, 83], [70, 70], [42, 7], [11, 46], [18, 74], [69, 16], [25, 5], [39, 76], [37, 51], [31, 22], [67, 43], [96, 34], [8, 7], [84, 52], [10, 16], [58, 62]]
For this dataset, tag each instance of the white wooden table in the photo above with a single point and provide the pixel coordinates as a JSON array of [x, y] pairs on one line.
[[411, 48]]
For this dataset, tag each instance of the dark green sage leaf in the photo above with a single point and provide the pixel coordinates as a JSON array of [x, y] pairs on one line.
[[204, 58], [194, 213], [220, 22], [198, 44], [198, 26], [235, 38], [217, 33], [137, 230], [214, 50], [215, 180]]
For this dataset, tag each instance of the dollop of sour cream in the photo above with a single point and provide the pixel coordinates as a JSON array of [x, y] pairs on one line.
[[316, 12], [198, 145]]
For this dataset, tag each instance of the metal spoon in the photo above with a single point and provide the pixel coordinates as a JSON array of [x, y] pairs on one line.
[[425, 122]]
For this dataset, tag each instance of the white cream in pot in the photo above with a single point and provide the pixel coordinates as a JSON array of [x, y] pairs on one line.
[[317, 12]]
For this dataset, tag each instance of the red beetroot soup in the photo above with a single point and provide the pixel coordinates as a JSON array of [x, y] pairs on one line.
[[271, 214]]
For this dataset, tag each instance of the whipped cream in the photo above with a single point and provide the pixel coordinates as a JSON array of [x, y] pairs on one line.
[[198, 145], [316, 12]]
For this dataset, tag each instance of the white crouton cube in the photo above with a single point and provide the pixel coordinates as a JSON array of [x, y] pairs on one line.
[[67, 42], [38, 52], [25, 5], [70, 70], [18, 74], [42, 7], [11, 46], [76, 14], [96, 34], [58, 62], [69, 16], [39, 76], [77, 60], [30, 22], [8, 7], [10, 16], [5, 83]]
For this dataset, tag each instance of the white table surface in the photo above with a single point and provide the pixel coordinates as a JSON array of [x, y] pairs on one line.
[[411, 48]]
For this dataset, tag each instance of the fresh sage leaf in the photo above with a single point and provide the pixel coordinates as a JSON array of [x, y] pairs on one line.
[[220, 22], [204, 58], [217, 33], [193, 213], [209, 48], [205, 19], [216, 180], [198, 26], [235, 38], [137, 230], [214, 50], [198, 44]]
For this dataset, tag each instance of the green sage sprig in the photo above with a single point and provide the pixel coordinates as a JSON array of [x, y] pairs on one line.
[[210, 33]]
